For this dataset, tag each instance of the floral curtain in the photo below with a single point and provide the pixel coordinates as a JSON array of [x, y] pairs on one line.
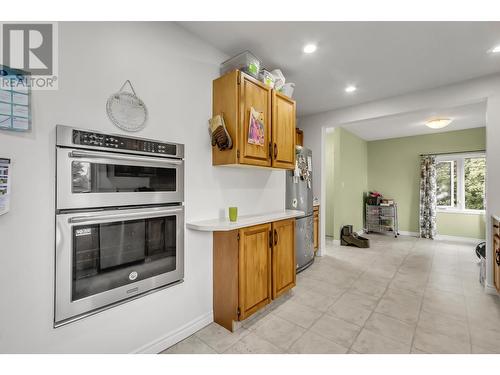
[[428, 199]]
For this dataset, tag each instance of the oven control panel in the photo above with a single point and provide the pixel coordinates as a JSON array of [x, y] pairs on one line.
[[122, 143]]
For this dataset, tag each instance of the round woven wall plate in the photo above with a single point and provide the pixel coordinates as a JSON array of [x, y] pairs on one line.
[[127, 111]]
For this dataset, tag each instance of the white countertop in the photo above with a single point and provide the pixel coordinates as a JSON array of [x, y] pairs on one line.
[[216, 225]]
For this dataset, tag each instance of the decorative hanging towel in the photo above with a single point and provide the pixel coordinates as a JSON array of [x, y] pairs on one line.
[[256, 133], [219, 134], [126, 110]]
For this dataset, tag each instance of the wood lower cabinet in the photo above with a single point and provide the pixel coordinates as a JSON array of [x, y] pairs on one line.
[[496, 254], [252, 266], [234, 95], [316, 228], [254, 269], [283, 257]]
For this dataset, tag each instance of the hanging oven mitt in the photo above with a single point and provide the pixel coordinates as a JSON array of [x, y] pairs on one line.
[[219, 134]]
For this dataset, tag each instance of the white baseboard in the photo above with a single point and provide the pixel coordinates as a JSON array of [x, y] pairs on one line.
[[174, 337], [406, 233], [442, 237], [490, 289], [391, 234]]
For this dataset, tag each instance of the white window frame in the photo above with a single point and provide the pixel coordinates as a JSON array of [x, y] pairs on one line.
[[460, 207]]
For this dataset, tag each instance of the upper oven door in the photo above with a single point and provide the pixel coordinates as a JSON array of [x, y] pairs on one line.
[[89, 179]]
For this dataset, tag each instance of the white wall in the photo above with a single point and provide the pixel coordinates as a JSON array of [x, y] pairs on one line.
[[172, 72], [467, 92]]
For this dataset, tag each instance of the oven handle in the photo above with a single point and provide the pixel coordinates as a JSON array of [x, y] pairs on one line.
[[140, 159], [125, 216]]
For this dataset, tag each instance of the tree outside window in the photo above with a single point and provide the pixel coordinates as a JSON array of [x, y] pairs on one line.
[[460, 181], [474, 178]]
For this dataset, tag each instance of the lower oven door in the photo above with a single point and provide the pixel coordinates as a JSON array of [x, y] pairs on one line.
[[93, 179], [106, 257]]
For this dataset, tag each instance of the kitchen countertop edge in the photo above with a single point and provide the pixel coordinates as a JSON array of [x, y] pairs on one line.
[[224, 225]]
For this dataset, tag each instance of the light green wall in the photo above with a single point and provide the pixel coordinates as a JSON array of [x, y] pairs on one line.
[[391, 166], [461, 225], [329, 165], [393, 170], [346, 181]]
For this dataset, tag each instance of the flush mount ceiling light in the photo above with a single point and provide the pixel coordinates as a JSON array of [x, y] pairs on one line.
[[350, 88], [310, 48], [438, 123], [494, 50]]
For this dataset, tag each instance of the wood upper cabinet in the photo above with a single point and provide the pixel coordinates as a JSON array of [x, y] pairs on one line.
[[234, 95], [283, 131], [283, 258], [254, 268], [299, 137], [254, 94]]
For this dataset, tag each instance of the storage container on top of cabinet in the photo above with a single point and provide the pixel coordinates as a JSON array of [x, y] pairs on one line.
[[234, 95]]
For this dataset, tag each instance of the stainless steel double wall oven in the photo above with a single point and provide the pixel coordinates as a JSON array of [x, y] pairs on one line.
[[119, 219]]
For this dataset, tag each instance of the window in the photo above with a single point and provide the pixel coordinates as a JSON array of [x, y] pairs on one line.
[[460, 181]]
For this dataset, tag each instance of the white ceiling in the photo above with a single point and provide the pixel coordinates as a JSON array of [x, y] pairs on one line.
[[408, 124], [383, 59]]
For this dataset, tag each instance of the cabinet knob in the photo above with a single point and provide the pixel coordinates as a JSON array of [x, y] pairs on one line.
[[275, 150]]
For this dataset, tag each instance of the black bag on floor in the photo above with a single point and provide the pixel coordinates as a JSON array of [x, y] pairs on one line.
[[349, 238]]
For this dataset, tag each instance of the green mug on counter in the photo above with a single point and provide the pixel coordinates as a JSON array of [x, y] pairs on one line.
[[233, 213]]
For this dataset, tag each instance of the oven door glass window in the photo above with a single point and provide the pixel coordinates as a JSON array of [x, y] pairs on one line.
[[114, 178], [110, 255]]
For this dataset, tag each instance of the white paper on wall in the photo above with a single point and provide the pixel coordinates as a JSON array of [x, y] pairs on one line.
[[5, 179]]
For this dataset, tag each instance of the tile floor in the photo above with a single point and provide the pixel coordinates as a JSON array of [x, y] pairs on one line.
[[404, 295]]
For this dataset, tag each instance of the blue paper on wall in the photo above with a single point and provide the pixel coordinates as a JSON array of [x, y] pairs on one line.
[[15, 100]]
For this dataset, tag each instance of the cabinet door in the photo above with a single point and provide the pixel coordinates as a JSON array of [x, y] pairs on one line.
[[254, 94], [254, 269], [299, 137], [496, 261], [316, 228], [283, 133], [283, 256]]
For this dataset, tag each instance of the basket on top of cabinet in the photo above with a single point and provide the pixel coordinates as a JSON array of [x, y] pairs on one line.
[[235, 95]]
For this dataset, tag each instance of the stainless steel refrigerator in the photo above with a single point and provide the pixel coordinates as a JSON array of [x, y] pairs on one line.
[[299, 196]]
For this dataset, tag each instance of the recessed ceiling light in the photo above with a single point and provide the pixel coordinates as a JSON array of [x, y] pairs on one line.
[[495, 49], [438, 123], [309, 48], [350, 88]]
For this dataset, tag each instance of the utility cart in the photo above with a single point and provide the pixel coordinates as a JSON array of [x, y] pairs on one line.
[[382, 219]]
